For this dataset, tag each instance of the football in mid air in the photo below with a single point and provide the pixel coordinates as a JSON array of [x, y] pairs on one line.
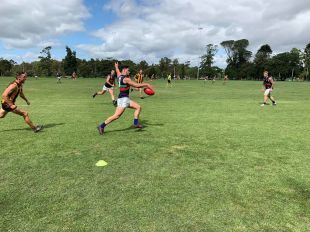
[[149, 91]]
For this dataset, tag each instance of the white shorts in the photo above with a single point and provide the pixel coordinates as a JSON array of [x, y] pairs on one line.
[[106, 88], [267, 92], [123, 102]]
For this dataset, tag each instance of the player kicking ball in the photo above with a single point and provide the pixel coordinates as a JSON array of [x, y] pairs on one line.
[[9, 97], [268, 87], [108, 86], [123, 101]]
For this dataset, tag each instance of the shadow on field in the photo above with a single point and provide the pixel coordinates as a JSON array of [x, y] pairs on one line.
[[45, 126], [145, 124], [19, 129], [300, 189], [50, 125], [125, 129]]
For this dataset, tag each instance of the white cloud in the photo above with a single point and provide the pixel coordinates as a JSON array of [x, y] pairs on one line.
[[26, 23], [151, 29], [157, 28]]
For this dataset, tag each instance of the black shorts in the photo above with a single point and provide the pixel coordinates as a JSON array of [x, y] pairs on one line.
[[6, 107], [108, 85], [169, 81]]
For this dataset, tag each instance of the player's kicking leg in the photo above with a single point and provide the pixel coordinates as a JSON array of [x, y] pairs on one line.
[[26, 117]]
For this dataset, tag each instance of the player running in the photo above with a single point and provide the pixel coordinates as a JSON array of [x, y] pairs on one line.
[[108, 86], [123, 101], [58, 75], [169, 80], [268, 87], [9, 97], [225, 79]]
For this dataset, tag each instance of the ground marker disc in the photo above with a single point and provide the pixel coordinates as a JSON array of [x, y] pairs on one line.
[[101, 163]]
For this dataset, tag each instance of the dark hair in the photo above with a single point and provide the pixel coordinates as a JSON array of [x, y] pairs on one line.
[[125, 66], [19, 73]]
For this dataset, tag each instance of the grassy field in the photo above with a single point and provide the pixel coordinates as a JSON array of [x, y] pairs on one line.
[[208, 159]]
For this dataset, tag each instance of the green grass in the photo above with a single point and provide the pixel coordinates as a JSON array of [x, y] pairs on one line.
[[209, 159]]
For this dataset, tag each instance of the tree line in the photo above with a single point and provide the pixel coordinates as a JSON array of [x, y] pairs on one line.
[[241, 64]]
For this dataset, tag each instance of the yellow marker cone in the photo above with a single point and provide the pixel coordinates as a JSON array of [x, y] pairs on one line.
[[101, 163]]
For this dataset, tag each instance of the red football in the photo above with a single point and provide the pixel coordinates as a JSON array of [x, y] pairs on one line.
[[148, 91]]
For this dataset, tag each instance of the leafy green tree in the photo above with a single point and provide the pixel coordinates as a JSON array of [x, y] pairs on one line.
[[70, 62], [307, 56], [228, 46], [286, 65], [85, 68], [175, 67], [261, 60], [143, 65], [207, 61], [45, 61], [164, 66], [241, 54], [5, 67], [237, 56], [295, 64], [307, 61], [182, 71], [152, 71]]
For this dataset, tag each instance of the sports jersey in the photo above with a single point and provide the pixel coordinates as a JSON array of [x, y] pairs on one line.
[[124, 88], [111, 80], [12, 96], [139, 77], [267, 83]]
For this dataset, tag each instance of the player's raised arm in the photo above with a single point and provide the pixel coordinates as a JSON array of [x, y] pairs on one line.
[[118, 72]]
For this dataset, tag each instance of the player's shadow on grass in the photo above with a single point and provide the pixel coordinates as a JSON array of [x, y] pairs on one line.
[[125, 129], [45, 126], [50, 125], [145, 124]]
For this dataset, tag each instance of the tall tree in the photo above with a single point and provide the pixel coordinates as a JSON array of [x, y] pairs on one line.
[[307, 56], [164, 66], [237, 56], [295, 62], [307, 61], [262, 57], [5, 67], [241, 54], [228, 46], [70, 62], [143, 65], [46, 61], [175, 64], [286, 65], [207, 60]]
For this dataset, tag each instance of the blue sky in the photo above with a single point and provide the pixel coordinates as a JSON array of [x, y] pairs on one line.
[[148, 29]]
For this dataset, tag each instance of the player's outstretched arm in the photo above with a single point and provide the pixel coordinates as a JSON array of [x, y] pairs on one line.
[[137, 85], [118, 72]]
